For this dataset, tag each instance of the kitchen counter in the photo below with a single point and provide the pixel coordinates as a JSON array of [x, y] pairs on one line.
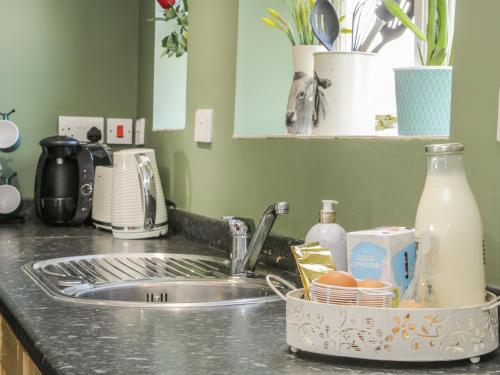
[[66, 338]]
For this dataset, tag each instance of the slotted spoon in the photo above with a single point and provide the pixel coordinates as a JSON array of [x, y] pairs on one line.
[[325, 23]]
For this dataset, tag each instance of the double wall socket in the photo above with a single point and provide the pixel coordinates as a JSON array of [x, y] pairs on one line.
[[78, 127], [119, 131]]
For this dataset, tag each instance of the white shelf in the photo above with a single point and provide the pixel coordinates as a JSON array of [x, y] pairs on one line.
[[333, 137]]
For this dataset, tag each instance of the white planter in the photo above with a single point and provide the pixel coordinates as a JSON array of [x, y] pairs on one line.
[[423, 96], [301, 109], [346, 85]]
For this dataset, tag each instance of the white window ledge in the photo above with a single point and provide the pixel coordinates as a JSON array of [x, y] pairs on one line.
[[333, 137]]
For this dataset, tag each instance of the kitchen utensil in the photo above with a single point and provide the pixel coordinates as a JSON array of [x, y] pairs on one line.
[[365, 19], [65, 179], [103, 192], [325, 23], [394, 29], [9, 133], [138, 205], [355, 23], [383, 17]]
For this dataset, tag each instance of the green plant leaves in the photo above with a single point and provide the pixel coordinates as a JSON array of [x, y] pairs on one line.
[[436, 33], [170, 14], [437, 57], [432, 27], [442, 10], [300, 12], [176, 44]]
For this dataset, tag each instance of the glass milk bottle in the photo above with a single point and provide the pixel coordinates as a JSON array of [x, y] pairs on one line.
[[449, 214]]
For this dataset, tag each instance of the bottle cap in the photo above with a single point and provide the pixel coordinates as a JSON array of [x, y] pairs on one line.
[[445, 148], [327, 213]]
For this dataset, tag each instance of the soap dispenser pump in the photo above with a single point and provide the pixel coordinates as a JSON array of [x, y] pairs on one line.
[[330, 235]]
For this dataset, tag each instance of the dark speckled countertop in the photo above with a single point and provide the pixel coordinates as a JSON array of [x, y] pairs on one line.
[[65, 338]]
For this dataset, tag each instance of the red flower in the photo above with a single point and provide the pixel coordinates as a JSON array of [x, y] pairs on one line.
[[166, 4]]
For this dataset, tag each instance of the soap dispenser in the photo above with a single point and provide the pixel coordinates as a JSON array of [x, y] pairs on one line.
[[330, 235]]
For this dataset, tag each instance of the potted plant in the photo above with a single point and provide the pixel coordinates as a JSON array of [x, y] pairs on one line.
[[176, 43], [301, 111], [423, 93]]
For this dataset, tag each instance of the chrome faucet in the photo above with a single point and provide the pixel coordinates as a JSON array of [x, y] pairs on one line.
[[243, 255]]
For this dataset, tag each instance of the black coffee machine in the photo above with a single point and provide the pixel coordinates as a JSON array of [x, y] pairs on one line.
[[65, 178]]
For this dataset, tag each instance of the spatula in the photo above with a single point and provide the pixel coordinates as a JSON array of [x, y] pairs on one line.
[[383, 18], [395, 29], [325, 23]]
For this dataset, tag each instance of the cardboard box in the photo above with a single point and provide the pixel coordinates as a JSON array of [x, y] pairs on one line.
[[386, 254]]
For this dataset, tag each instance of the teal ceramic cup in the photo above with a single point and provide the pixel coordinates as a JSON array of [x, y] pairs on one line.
[[423, 96]]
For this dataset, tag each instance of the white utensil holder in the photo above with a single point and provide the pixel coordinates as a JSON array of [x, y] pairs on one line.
[[345, 94]]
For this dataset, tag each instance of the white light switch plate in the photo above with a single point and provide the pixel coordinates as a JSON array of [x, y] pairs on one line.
[[78, 127], [140, 128], [498, 121], [119, 131], [203, 125]]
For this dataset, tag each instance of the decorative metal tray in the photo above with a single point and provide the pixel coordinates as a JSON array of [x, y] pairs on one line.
[[392, 334]]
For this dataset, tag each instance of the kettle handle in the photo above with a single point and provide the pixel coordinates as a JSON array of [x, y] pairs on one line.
[[147, 181]]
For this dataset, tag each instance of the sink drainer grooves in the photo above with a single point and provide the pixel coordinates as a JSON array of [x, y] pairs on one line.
[[110, 268]]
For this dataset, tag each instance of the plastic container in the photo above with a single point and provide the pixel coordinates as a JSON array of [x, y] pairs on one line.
[[330, 235]]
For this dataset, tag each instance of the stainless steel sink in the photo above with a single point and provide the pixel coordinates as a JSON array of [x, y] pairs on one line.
[[147, 280], [182, 293]]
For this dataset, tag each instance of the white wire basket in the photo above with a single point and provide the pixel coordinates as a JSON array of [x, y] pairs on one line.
[[338, 295], [389, 334]]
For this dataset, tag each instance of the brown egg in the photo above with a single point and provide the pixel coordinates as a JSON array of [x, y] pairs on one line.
[[370, 283], [338, 278]]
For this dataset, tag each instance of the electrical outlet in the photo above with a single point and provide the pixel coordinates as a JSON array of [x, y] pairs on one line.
[[140, 128], [78, 127], [203, 125], [119, 131]]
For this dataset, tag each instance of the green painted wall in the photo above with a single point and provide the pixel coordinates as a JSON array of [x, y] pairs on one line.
[[64, 57], [377, 182]]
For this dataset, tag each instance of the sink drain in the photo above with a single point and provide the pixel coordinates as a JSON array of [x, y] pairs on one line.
[[156, 298]]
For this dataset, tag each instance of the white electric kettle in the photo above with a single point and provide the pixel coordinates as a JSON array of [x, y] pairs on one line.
[[138, 204]]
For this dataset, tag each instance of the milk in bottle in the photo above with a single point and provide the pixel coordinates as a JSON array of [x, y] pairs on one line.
[[448, 212]]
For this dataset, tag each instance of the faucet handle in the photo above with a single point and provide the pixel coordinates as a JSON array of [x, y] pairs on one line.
[[238, 226], [247, 223]]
